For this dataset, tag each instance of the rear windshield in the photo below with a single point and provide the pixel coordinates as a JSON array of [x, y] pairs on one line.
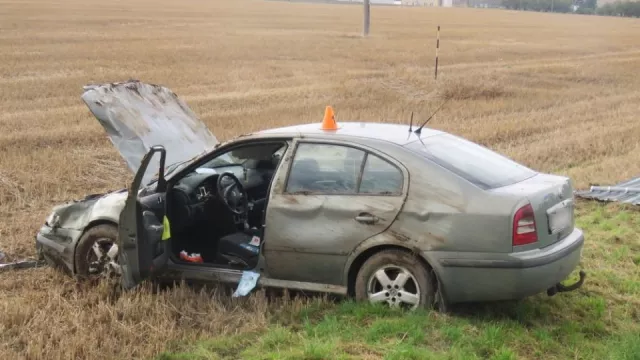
[[475, 163]]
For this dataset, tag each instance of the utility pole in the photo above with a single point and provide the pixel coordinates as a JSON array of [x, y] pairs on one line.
[[367, 18]]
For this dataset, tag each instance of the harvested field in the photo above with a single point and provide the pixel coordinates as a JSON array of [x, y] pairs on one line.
[[559, 93]]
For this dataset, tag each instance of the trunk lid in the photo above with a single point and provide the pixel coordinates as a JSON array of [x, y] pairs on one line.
[[551, 197], [137, 116]]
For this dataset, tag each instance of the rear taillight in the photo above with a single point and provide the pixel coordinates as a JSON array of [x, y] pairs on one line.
[[524, 226]]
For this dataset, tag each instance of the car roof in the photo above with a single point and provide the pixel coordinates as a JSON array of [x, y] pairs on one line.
[[395, 133]]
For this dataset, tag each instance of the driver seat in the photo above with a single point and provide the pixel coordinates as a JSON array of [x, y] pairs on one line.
[[236, 247]]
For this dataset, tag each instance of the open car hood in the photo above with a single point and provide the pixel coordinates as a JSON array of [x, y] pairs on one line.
[[137, 116]]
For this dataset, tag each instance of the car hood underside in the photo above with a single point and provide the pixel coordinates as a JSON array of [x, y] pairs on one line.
[[137, 116]]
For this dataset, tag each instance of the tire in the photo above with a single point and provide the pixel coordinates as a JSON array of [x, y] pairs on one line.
[[418, 290], [104, 234]]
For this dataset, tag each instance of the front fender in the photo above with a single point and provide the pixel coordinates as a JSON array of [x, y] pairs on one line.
[[78, 215], [108, 208]]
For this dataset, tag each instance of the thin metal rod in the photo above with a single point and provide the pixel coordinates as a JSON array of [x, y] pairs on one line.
[[437, 48]]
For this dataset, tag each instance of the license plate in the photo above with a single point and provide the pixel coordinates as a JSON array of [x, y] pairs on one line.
[[560, 216]]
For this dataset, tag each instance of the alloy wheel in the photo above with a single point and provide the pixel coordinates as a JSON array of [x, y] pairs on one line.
[[395, 286], [103, 258]]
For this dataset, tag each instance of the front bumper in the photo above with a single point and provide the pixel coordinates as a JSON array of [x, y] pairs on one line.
[[470, 277], [57, 245]]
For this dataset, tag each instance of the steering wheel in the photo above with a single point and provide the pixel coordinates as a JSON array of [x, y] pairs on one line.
[[234, 196]]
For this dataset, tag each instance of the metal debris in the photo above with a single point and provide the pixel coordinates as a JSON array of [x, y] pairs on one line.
[[627, 192], [25, 264]]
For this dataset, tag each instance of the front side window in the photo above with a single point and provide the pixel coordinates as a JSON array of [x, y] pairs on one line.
[[325, 168]]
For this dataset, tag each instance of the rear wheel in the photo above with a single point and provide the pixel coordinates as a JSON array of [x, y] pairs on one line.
[[395, 278], [97, 252]]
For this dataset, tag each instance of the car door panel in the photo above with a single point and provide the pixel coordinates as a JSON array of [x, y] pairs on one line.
[[316, 233], [309, 236], [142, 251]]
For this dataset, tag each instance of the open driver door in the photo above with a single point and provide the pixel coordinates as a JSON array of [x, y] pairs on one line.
[[142, 236]]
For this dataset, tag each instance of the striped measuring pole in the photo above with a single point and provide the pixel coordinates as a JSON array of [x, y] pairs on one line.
[[437, 48]]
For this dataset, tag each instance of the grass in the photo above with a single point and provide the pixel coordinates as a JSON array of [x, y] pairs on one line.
[[600, 321], [555, 92]]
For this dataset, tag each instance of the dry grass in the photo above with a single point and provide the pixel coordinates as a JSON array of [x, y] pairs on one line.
[[556, 92], [47, 315]]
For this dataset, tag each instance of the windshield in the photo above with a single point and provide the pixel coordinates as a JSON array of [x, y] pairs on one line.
[[475, 163], [235, 157], [246, 156], [224, 159]]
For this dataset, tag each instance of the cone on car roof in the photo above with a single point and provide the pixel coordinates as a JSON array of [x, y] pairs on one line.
[[329, 121]]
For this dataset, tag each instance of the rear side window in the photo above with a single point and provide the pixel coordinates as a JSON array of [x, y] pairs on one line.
[[475, 163], [380, 177], [338, 169]]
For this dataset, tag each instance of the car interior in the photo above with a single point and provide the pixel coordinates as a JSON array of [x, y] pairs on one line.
[[217, 210]]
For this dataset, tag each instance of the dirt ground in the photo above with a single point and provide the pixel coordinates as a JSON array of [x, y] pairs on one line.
[[559, 93]]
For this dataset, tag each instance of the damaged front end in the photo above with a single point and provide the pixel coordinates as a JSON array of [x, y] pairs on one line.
[[135, 116], [57, 238]]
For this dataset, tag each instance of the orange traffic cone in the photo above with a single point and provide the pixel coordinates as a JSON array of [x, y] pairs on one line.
[[329, 121]]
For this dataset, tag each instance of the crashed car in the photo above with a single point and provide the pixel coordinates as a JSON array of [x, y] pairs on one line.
[[401, 215]]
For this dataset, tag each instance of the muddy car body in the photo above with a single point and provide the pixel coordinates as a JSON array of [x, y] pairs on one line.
[[367, 209]]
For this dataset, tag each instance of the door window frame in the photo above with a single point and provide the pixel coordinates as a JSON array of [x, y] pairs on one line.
[[220, 150], [287, 141], [367, 150]]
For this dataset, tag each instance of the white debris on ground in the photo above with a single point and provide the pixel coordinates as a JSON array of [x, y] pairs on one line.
[[247, 283]]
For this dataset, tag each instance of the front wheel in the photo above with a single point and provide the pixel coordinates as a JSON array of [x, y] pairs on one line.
[[396, 278], [97, 252]]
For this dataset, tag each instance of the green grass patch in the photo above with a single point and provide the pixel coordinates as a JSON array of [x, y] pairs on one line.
[[599, 321]]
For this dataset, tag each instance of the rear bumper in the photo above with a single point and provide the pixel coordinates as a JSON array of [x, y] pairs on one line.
[[489, 277]]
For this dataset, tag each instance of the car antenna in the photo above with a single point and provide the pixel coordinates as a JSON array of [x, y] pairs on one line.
[[419, 130], [410, 126]]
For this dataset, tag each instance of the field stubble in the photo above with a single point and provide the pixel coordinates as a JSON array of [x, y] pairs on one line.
[[556, 92]]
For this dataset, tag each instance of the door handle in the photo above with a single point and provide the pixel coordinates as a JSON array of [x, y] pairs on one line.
[[366, 218]]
